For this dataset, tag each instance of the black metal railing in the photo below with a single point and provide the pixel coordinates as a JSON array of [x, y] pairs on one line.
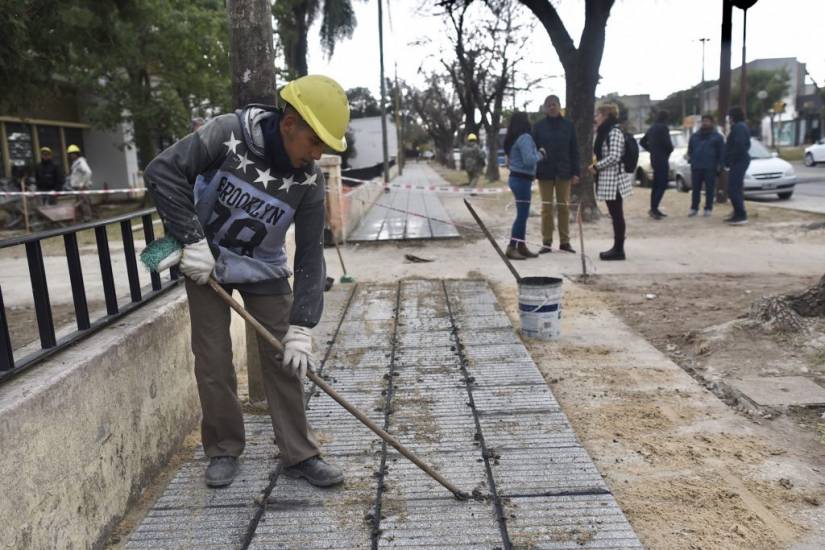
[[49, 341]]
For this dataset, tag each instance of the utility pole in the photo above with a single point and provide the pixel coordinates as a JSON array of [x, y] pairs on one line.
[[724, 62], [702, 86], [743, 75], [399, 132], [383, 94]]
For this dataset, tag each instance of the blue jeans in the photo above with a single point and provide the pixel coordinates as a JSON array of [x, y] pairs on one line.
[[736, 184], [660, 172], [522, 190], [706, 176]]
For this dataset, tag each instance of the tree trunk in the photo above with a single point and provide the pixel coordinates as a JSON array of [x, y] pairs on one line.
[[252, 60], [810, 303], [581, 103], [251, 52], [493, 127], [784, 313]]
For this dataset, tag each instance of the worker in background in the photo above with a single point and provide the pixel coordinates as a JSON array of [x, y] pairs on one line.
[[80, 179], [48, 176], [229, 192], [473, 161]]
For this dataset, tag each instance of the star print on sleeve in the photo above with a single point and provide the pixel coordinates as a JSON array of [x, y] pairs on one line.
[[244, 162], [263, 177], [310, 179], [233, 143], [288, 182]]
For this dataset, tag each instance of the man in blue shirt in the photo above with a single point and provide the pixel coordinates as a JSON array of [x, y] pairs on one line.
[[705, 152]]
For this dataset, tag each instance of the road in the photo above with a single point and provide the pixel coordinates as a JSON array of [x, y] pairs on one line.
[[809, 194]]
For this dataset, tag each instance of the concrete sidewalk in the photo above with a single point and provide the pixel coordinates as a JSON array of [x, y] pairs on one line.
[[464, 395]]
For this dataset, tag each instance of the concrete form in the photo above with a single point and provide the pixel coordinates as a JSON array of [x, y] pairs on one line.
[[440, 366]]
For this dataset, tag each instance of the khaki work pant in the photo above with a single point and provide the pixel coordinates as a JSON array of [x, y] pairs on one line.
[[561, 187], [222, 429]]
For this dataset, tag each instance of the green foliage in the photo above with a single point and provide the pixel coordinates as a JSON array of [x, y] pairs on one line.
[[154, 63], [775, 83], [689, 100], [362, 103]]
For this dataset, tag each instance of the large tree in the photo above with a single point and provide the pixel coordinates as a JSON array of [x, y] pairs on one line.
[[437, 111], [487, 46], [773, 83], [581, 69], [295, 17]]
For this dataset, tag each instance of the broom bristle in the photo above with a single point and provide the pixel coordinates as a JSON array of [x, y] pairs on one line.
[[157, 251]]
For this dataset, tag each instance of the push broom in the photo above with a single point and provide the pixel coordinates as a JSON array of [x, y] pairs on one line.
[[169, 248]]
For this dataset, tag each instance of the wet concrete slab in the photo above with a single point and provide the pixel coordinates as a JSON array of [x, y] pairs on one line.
[[403, 214], [437, 364]]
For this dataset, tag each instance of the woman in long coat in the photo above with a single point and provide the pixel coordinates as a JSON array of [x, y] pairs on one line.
[[613, 184]]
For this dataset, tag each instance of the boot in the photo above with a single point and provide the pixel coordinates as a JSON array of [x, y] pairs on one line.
[[316, 471], [614, 254], [524, 251], [221, 471], [513, 253]]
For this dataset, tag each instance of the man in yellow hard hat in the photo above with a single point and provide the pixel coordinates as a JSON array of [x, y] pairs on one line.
[[80, 179], [229, 192], [472, 160]]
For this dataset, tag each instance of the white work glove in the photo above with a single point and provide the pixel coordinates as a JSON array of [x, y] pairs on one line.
[[197, 261], [298, 349]]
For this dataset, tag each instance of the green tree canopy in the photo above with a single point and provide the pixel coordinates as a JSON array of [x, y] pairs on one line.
[[362, 103], [773, 83]]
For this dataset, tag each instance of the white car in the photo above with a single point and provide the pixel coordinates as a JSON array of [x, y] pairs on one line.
[[644, 170], [815, 153], [767, 174]]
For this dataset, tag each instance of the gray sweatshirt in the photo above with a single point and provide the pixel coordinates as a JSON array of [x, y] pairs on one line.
[[218, 183]]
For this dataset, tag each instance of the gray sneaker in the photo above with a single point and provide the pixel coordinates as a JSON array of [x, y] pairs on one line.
[[708, 212], [692, 212], [316, 471], [221, 471]]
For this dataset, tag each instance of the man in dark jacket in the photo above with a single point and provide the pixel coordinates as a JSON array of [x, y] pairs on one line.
[[705, 155], [657, 142], [737, 160], [557, 172], [48, 175]]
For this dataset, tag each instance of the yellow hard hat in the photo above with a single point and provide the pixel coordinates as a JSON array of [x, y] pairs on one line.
[[472, 137], [322, 103], [73, 149], [45, 150]]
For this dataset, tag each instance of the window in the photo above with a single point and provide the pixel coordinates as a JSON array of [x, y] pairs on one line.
[[21, 153]]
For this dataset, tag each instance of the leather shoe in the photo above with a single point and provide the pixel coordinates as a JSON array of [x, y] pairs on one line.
[[316, 471], [567, 248], [221, 471], [513, 253], [613, 254], [524, 251]]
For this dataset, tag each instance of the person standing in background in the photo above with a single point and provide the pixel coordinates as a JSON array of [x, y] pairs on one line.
[[657, 141], [705, 154], [80, 179], [737, 160], [473, 161], [522, 157], [47, 175], [556, 172]]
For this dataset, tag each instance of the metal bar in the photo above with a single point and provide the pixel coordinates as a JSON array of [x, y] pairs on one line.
[[34, 358], [39, 236], [131, 260], [149, 236], [81, 308], [275, 343], [40, 293], [6, 352], [106, 269]]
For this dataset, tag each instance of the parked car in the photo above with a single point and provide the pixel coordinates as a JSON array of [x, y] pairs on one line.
[[815, 153], [767, 174], [644, 170]]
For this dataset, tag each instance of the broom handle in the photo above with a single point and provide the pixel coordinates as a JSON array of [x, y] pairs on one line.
[[493, 242], [266, 335], [581, 237]]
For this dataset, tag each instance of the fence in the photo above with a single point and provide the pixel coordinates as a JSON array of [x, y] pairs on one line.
[[138, 295]]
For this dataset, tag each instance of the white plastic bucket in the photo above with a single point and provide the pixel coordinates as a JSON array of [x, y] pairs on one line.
[[539, 305]]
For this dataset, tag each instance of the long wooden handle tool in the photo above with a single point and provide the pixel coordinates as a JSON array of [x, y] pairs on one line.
[[493, 242], [266, 335]]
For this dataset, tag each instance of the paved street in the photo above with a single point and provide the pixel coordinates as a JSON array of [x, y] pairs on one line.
[[809, 195]]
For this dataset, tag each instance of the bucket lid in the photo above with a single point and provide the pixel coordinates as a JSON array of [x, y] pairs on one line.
[[540, 281]]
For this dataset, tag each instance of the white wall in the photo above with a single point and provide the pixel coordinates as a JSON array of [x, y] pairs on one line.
[[112, 159], [368, 148]]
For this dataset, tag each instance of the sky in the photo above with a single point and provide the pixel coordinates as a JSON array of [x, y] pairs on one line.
[[652, 46]]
